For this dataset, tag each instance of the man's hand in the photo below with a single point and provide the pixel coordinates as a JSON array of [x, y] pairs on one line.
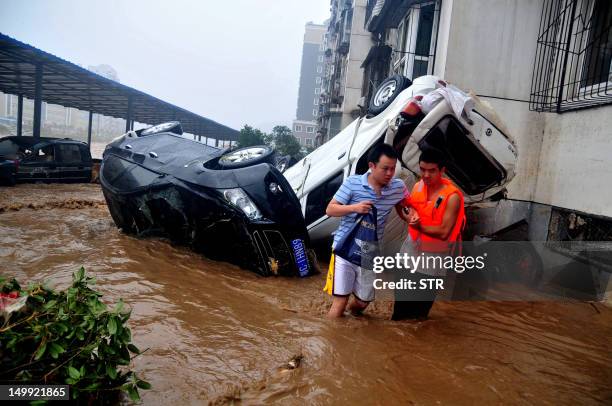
[[362, 207], [414, 219]]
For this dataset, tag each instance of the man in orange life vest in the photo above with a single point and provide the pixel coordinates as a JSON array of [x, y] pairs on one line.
[[436, 220]]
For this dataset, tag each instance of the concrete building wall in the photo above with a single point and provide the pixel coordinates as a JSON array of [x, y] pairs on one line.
[[360, 44], [490, 51], [576, 161], [312, 67]]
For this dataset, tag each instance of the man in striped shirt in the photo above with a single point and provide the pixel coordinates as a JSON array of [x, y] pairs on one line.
[[356, 195]]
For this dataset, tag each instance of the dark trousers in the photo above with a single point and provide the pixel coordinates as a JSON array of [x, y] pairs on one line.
[[412, 304]]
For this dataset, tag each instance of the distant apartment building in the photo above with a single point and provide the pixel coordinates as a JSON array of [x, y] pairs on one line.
[[347, 43], [311, 77]]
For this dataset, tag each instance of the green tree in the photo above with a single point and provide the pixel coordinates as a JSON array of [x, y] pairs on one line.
[[250, 136], [285, 142]]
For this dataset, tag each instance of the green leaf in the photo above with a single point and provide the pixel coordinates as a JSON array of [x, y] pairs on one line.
[[55, 350], [143, 384], [74, 373], [133, 348], [118, 306], [133, 393], [111, 371], [41, 351], [112, 326], [50, 304], [93, 386], [80, 274]]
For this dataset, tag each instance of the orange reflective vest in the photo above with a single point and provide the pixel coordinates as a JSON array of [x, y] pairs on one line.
[[431, 213]]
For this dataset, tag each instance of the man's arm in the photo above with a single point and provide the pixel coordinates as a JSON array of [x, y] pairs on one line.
[[337, 209], [448, 220], [399, 208], [402, 206]]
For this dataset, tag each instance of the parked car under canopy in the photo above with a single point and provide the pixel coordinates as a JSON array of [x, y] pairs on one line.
[[44, 159]]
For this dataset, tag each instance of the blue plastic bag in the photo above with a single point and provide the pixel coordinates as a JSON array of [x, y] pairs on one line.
[[360, 245]]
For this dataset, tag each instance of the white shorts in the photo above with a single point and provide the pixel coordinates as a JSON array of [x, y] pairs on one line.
[[350, 278]]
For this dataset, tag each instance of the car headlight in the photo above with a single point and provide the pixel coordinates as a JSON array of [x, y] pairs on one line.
[[238, 198]]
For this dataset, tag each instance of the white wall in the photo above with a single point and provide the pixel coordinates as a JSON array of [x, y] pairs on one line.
[[492, 45], [576, 161]]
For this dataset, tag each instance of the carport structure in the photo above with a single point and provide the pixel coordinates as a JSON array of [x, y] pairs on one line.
[[29, 72]]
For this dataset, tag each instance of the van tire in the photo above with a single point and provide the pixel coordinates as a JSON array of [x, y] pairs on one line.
[[386, 92]]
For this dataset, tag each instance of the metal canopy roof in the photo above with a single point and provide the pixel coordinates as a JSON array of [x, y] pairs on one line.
[[69, 85]]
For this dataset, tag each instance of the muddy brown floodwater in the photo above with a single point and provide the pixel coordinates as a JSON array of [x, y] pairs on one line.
[[218, 333]]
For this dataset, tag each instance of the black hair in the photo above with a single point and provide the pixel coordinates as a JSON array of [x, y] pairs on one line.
[[432, 156], [380, 150]]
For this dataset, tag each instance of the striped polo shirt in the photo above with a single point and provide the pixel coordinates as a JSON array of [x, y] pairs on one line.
[[356, 189]]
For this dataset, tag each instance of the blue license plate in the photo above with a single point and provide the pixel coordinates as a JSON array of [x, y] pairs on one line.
[[301, 260]]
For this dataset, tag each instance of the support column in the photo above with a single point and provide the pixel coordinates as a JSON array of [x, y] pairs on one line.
[[128, 119], [89, 128], [217, 142], [20, 115], [38, 101]]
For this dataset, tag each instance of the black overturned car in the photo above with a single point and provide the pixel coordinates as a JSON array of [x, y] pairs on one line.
[[44, 159], [230, 205]]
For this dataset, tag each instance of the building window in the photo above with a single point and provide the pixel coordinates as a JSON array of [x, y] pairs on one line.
[[318, 80], [416, 41], [319, 69], [320, 58], [317, 90], [573, 64], [315, 112], [297, 128], [321, 47], [316, 101], [310, 129], [309, 142]]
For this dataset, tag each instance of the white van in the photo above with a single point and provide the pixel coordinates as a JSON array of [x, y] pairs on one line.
[[480, 153]]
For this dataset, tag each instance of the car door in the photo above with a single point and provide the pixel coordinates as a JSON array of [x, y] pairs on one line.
[[86, 164], [39, 164], [71, 165]]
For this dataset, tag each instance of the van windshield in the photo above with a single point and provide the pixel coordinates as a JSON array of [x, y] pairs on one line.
[[469, 167]]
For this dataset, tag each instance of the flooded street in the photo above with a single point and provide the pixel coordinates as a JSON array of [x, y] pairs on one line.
[[217, 333]]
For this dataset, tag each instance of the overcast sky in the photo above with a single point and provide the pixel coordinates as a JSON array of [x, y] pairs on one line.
[[234, 61]]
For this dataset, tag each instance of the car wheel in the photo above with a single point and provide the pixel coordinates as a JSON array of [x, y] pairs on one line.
[[386, 92], [247, 156]]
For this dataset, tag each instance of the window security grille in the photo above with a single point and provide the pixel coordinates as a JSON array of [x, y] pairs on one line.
[[572, 68]]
